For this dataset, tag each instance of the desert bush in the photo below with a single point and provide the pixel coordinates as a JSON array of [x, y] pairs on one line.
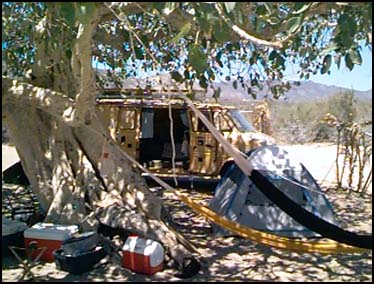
[[343, 106], [302, 122], [294, 122], [364, 114]]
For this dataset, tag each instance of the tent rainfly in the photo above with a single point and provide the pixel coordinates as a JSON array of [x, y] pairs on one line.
[[239, 200]]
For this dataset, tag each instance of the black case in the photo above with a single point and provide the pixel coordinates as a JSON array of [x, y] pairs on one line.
[[78, 264], [15, 239]]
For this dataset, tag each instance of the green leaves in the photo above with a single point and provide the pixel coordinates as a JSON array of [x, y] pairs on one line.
[[139, 52], [235, 84], [346, 31], [203, 82], [261, 10], [355, 56], [169, 7], [176, 76], [300, 7], [273, 55], [352, 57], [197, 59], [183, 32], [326, 64], [218, 59], [85, 11], [348, 62], [221, 32], [277, 59], [68, 13], [293, 24], [253, 58], [216, 93], [318, 40], [330, 48], [230, 6]]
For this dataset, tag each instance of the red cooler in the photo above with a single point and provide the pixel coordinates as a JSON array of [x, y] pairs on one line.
[[48, 235], [143, 255]]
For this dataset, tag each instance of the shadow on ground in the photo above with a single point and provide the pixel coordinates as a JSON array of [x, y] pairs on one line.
[[238, 259]]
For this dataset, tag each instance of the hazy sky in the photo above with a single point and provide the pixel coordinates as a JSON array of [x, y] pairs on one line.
[[360, 78]]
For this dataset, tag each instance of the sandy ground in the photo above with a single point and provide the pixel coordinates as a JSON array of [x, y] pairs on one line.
[[237, 259], [319, 159]]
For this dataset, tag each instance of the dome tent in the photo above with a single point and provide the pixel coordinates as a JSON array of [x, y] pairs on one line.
[[238, 199]]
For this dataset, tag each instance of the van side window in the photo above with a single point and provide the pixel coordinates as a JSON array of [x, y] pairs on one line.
[[221, 122], [127, 120], [147, 122], [197, 124], [184, 118]]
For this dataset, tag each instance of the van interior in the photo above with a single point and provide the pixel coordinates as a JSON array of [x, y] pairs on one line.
[[155, 142]]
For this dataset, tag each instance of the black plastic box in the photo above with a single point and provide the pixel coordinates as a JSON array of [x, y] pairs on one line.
[[15, 239], [78, 264]]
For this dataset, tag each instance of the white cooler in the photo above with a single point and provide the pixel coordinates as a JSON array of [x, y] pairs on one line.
[[143, 255], [48, 235]]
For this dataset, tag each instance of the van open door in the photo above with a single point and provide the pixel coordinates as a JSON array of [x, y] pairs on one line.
[[203, 146], [155, 141]]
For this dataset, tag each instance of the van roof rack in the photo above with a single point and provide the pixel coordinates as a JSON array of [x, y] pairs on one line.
[[139, 93]]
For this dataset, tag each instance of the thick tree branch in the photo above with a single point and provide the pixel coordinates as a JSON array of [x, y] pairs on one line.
[[126, 7], [315, 8], [82, 65], [61, 107], [93, 164], [57, 104], [243, 34]]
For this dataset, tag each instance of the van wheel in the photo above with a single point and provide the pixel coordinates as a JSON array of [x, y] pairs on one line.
[[225, 168]]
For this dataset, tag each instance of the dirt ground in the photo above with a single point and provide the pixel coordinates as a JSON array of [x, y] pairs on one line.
[[238, 259]]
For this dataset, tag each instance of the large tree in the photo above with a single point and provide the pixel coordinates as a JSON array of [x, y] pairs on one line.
[[49, 83]]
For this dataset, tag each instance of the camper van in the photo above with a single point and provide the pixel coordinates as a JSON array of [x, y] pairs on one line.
[[154, 129]]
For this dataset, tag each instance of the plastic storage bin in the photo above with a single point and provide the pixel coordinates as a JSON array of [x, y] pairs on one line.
[[143, 255], [80, 263], [48, 235]]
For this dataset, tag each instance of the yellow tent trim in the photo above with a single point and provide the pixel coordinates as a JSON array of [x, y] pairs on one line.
[[324, 247]]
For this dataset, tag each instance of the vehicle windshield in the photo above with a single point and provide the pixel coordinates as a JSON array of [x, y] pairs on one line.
[[241, 122]]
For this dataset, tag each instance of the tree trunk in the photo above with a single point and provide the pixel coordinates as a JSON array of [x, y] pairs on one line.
[[60, 138], [66, 169]]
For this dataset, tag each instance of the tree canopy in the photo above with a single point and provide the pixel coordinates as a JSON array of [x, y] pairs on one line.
[[245, 42]]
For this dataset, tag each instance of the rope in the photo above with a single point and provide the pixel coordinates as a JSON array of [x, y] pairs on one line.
[[172, 140], [328, 172]]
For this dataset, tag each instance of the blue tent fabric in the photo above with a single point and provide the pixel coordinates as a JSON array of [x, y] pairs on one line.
[[308, 219], [238, 198]]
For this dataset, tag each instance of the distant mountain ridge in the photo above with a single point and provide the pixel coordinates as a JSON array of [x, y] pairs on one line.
[[307, 90], [302, 91]]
